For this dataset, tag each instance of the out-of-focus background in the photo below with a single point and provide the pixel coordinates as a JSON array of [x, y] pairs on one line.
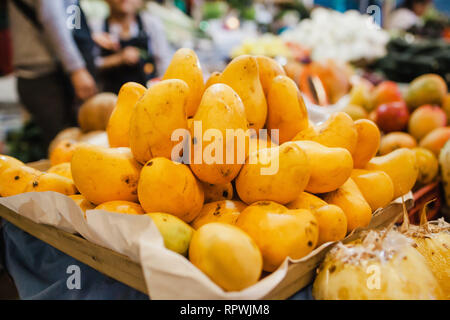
[[369, 35]]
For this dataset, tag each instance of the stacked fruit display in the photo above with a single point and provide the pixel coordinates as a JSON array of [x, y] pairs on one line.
[[417, 118], [234, 206]]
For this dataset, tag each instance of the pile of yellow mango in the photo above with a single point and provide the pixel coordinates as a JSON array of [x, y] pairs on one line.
[[230, 218]]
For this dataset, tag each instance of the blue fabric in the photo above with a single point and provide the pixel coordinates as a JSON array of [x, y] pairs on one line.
[[40, 273]]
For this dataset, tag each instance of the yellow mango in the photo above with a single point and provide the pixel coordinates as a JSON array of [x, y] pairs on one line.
[[242, 74], [217, 192], [278, 232], [332, 224], [82, 202], [220, 110], [155, 117], [176, 233], [332, 220], [306, 201], [224, 211], [7, 162], [268, 70], [350, 199], [330, 167], [170, 187], [62, 151], [254, 143], [62, 169], [118, 128], [376, 187], [52, 182], [227, 255], [16, 179], [428, 165], [401, 167], [337, 132], [125, 207], [213, 79], [105, 174], [186, 66], [286, 109], [278, 174], [367, 143]]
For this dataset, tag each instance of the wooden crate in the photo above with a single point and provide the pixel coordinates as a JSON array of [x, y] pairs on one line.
[[121, 268]]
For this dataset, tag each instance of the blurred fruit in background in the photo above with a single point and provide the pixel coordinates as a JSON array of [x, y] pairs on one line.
[[361, 93], [425, 119], [428, 165], [356, 112], [436, 139], [426, 89], [385, 92], [396, 140], [392, 116]]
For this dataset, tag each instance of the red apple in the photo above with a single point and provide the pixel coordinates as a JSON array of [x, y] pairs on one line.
[[392, 116]]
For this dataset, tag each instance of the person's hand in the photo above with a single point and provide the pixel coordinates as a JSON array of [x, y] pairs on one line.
[[83, 84], [105, 41], [131, 55]]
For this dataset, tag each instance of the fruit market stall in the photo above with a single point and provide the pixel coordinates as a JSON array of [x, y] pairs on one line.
[[305, 183]]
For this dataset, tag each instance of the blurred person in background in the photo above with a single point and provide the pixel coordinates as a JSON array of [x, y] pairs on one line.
[[132, 44], [52, 72], [408, 14]]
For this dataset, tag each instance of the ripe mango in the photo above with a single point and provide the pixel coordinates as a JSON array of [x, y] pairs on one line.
[[225, 211], [376, 187], [213, 79], [82, 202], [367, 143], [286, 108], [118, 128], [16, 179], [337, 132], [156, 116], [242, 74], [227, 255], [331, 219], [278, 232], [63, 151], [428, 165], [125, 207], [435, 140], [217, 192], [170, 187], [62, 169], [186, 66], [350, 199], [7, 162], [401, 167], [105, 174], [306, 201], [220, 110], [330, 167], [278, 174], [396, 140], [268, 70], [176, 233], [52, 182], [332, 223]]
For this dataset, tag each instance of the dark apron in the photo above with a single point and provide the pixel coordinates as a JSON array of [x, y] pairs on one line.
[[113, 78]]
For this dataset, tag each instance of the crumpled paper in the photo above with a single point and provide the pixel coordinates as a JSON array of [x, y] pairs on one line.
[[168, 275]]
